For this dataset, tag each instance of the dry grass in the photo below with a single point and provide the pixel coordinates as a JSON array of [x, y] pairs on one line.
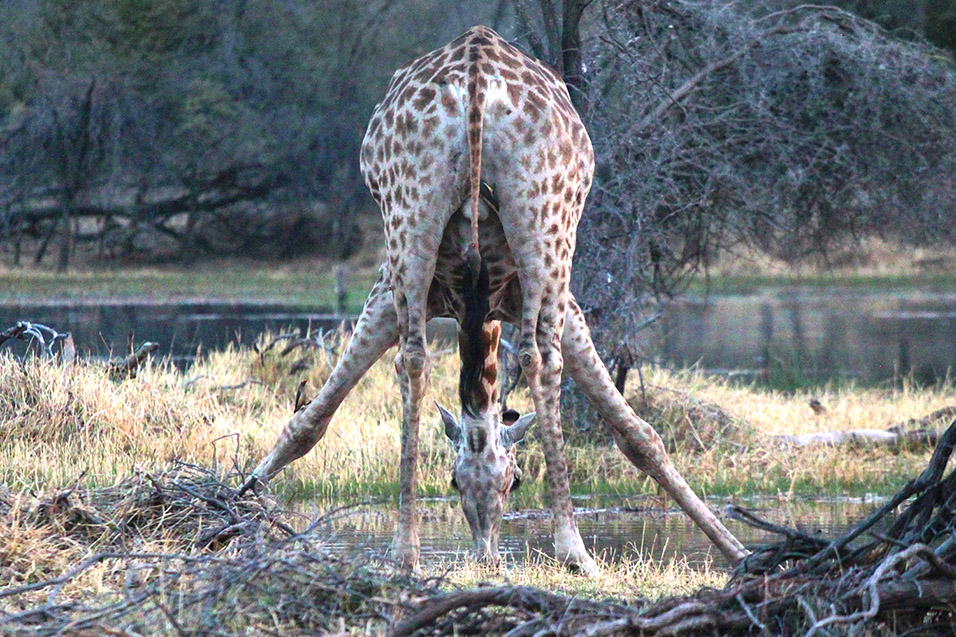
[[648, 578], [58, 424], [62, 426], [745, 458]]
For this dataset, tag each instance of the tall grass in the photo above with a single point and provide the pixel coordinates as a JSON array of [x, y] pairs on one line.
[[60, 424]]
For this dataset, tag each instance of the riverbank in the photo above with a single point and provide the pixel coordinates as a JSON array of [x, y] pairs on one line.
[[63, 423], [872, 266], [308, 282]]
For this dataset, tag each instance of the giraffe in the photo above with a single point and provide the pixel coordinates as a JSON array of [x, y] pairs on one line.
[[484, 440], [476, 112]]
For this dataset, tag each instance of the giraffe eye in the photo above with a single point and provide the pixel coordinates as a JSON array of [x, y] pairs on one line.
[[515, 480], [515, 483]]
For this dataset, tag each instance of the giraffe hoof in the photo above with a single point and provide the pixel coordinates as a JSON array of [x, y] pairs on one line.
[[585, 566], [570, 551], [405, 551]]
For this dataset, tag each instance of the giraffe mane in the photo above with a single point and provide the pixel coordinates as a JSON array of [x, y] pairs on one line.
[[471, 344]]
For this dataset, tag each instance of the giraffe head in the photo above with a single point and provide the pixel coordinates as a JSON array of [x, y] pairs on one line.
[[485, 470]]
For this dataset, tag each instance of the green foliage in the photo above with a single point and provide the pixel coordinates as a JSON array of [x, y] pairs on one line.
[[208, 110], [157, 28]]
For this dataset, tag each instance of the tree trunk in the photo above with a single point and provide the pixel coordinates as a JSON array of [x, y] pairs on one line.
[[66, 238], [571, 59], [620, 375]]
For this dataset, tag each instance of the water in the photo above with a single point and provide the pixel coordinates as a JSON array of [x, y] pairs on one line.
[[613, 527], [816, 334], [181, 329]]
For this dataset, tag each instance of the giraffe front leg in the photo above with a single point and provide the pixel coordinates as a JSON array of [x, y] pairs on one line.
[[375, 332], [411, 366], [636, 438]]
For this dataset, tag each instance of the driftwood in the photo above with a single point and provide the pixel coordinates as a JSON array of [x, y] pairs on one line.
[[915, 431], [44, 336], [12, 332]]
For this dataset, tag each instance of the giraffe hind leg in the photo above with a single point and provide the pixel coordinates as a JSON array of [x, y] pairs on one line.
[[636, 438], [375, 332], [546, 391]]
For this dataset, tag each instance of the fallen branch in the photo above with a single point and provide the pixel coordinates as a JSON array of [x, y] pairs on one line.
[[803, 584], [36, 331], [12, 332], [857, 436], [126, 368], [914, 431]]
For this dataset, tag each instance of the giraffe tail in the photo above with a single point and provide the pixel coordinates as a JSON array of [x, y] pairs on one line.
[[477, 86]]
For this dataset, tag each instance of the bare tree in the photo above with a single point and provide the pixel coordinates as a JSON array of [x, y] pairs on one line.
[[792, 131], [552, 28], [204, 127]]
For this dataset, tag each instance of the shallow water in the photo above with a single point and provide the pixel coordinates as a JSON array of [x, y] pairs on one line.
[[821, 334], [612, 527]]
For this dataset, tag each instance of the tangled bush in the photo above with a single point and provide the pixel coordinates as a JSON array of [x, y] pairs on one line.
[[792, 131]]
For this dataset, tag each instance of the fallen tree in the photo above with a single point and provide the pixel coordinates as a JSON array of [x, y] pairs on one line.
[[915, 431]]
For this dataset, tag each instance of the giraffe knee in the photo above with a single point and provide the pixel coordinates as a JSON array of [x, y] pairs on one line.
[[415, 359], [530, 359]]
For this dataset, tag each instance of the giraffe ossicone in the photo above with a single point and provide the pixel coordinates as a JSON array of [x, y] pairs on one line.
[[481, 167]]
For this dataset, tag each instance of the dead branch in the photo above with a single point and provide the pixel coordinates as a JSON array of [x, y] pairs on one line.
[[853, 436], [921, 425], [914, 431], [126, 367], [45, 336], [691, 85], [12, 332]]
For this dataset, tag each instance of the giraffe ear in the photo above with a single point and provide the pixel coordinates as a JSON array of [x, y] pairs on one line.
[[452, 430], [513, 434]]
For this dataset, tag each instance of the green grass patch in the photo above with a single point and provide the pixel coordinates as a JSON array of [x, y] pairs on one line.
[[309, 282]]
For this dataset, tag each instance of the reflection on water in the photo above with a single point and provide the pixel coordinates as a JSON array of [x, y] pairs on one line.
[[613, 527], [870, 337], [181, 329]]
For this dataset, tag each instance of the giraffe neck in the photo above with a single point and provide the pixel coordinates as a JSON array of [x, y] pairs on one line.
[[478, 347]]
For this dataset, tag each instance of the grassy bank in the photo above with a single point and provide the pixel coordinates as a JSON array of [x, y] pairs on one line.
[[70, 425], [872, 266]]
